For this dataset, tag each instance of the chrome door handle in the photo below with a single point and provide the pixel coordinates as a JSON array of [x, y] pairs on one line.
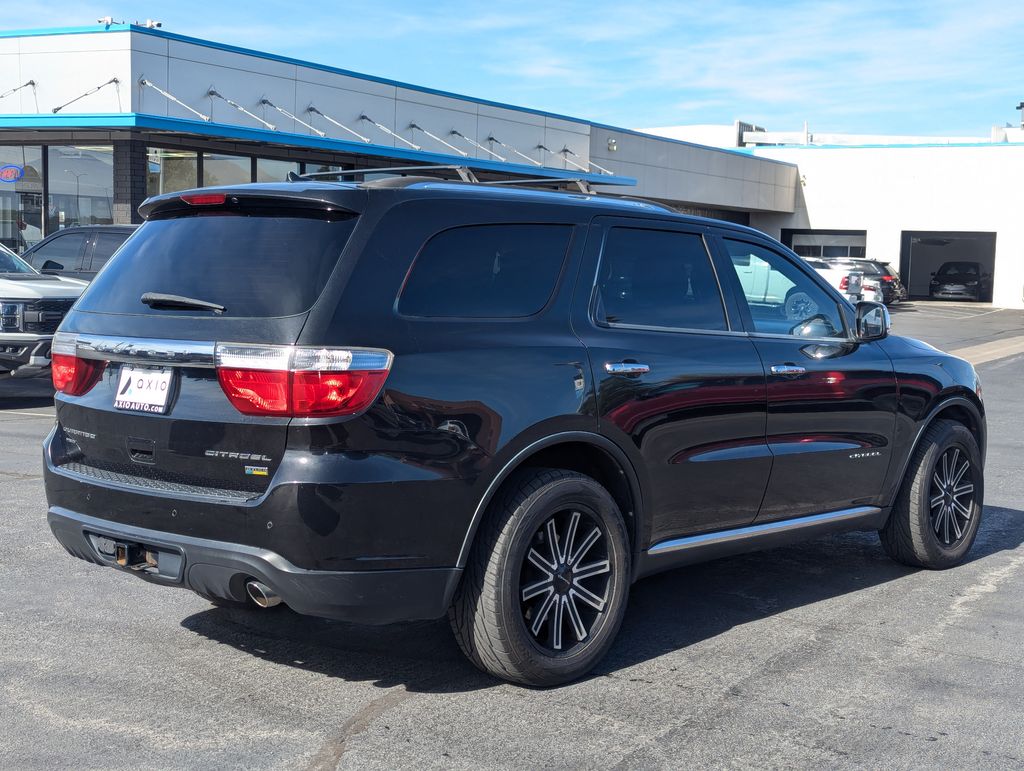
[[626, 368], [788, 370]]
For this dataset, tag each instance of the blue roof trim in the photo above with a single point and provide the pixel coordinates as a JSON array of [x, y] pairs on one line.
[[227, 131], [895, 146], [93, 28]]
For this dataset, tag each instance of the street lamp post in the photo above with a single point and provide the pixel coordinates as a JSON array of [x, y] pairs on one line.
[[78, 193]]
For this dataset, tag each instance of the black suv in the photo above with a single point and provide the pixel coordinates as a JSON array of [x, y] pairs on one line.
[[77, 252], [401, 399]]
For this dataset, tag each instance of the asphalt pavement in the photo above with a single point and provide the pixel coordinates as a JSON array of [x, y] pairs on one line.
[[826, 653]]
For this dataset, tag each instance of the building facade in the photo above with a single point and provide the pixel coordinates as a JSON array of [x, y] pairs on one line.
[[95, 119]]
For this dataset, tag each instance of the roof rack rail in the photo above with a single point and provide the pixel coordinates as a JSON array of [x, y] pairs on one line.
[[582, 184], [464, 172]]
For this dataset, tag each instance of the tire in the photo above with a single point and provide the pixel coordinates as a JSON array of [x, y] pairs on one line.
[[514, 638], [937, 537]]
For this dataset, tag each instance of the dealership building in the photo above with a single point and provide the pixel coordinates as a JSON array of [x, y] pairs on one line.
[[95, 119]]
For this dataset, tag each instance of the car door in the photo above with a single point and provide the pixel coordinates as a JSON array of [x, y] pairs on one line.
[[831, 400], [676, 385], [60, 255]]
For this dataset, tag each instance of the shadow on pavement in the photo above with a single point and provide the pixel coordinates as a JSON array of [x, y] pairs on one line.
[[667, 612]]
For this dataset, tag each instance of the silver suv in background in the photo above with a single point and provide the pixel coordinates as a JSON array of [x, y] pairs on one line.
[[31, 308]]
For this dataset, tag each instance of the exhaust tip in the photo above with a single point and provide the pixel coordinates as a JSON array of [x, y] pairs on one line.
[[261, 594]]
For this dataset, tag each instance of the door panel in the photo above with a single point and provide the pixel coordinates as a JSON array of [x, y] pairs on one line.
[[674, 385], [831, 400]]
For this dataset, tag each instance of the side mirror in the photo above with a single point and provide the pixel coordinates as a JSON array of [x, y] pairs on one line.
[[933, 272], [50, 265], [873, 321]]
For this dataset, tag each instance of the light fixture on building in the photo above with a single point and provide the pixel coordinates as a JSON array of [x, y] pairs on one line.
[[214, 94], [613, 145], [106, 21], [152, 24], [389, 132], [417, 127], [91, 91]]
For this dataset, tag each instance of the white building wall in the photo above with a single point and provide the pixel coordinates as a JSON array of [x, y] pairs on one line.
[[886, 191]]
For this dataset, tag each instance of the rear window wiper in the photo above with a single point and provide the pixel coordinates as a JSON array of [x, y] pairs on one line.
[[160, 300]]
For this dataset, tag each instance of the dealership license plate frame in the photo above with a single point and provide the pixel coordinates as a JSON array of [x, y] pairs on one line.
[[144, 389]]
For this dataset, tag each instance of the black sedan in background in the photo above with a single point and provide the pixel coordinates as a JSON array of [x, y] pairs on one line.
[[960, 281]]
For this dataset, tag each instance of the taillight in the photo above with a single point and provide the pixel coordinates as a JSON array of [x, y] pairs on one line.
[[870, 288], [844, 283], [301, 382], [71, 374], [888, 279]]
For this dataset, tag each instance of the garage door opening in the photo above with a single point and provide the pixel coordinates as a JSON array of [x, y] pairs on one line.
[[948, 265]]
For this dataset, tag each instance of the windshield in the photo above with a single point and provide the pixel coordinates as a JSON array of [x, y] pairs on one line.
[[959, 269], [12, 263]]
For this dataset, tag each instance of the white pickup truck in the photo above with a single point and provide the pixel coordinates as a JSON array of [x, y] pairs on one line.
[[31, 308]]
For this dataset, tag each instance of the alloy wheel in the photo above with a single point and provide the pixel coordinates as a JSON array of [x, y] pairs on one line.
[[951, 496], [565, 580]]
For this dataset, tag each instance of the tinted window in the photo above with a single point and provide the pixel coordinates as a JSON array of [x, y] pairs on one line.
[[11, 263], [781, 297], [252, 265], [486, 271], [104, 245], [63, 250], [658, 278]]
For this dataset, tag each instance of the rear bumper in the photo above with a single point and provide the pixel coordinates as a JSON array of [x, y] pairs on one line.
[[221, 569]]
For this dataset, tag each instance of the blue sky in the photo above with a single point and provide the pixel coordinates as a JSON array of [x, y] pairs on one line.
[[869, 67]]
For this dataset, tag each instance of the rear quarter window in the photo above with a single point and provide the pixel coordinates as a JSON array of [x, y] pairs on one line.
[[486, 271]]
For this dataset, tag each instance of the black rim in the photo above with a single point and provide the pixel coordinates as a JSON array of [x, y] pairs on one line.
[[951, 496], [565, 580]]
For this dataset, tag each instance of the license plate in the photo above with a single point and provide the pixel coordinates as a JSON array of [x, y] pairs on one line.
[[143, 390]]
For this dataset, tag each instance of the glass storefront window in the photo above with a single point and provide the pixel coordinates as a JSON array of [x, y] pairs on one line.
[[268, 170], [320, 168], [226, 170], [81, 186], [171, 170], [21, 196]]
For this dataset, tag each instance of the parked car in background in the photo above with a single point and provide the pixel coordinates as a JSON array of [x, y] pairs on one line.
[[960, 281], [839, 279], [31, 308], [882, 283], [77, 252], [502, 405]]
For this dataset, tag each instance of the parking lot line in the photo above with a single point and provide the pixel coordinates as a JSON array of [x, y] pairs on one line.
[[997, 349]]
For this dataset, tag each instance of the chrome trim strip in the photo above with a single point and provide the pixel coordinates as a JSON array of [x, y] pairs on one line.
[[180, 353], [752, 531]]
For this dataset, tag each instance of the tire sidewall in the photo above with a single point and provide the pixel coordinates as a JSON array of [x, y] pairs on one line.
[[530, 516]]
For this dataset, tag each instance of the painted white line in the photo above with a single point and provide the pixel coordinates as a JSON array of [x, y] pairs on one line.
[[991, 351], [29, 414]]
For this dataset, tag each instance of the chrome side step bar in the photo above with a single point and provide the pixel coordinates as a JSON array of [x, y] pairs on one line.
[[707, 546]]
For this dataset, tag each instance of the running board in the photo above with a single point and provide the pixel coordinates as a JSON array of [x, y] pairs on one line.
[[708, 546]]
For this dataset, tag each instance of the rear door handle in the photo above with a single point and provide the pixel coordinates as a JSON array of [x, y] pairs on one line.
[[788, 370], [626, 368]]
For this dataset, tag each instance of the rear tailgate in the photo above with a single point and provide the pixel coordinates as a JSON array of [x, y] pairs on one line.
[[156, 417]]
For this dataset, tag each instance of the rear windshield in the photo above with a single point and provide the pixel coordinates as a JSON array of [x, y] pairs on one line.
[[254, 266]]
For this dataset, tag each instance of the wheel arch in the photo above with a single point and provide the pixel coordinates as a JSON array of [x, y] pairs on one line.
[[960, 408], [592, 454]]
